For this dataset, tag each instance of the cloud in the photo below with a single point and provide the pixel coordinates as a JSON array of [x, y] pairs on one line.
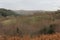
[[30, 4]]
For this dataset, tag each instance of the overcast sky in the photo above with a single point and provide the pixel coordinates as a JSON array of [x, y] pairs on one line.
[[30, 4]]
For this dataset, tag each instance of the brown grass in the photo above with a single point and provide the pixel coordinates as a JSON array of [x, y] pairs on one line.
[[27, 37]]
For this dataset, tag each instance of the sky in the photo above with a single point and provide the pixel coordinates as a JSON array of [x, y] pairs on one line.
[[30, 4]]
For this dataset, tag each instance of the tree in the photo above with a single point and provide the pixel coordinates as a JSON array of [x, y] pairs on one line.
[[5, 12]]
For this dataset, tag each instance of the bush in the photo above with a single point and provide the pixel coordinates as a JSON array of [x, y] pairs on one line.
[[50, 29], [47, 30]]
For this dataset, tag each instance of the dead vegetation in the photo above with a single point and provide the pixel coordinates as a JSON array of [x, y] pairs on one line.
[[55, 36]]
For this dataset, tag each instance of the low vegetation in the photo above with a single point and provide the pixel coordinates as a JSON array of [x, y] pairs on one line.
[[39, 26]]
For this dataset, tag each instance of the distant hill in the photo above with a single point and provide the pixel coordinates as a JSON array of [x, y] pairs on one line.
[[6, 12], [28, 12]]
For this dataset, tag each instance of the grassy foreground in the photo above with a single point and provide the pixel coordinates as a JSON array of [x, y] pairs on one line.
[[55, 36]]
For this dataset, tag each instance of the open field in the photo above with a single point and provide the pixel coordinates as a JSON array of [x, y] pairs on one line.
[[39, 26]]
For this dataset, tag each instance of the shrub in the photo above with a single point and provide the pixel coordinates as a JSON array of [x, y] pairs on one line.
[[47, 30], [50, 29]]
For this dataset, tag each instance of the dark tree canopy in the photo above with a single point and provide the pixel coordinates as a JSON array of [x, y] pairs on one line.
[[5, 12]]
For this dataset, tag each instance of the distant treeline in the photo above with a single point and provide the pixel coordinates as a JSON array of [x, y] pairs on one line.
[[5, 12]]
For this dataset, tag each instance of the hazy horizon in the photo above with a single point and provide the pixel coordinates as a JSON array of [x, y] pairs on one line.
[[30, 4]]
